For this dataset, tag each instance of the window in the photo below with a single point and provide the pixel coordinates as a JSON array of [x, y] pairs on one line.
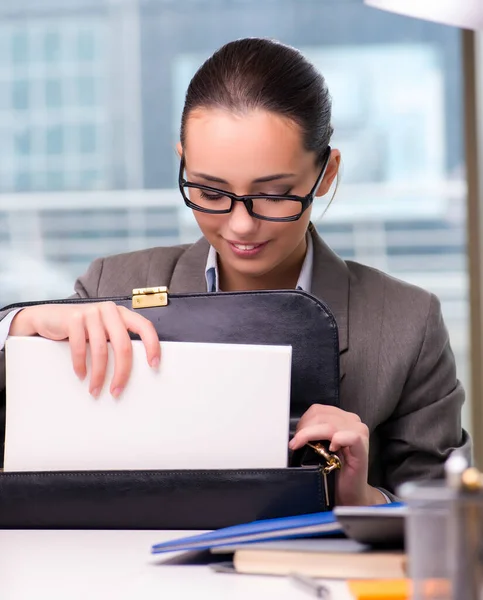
[[23, 181], [86, 46], [20, 95], [52, 46], [54, 140], [90, 179], [87, 139], [20, 47], [53, 93], [23, 142], [49, 92], [86, 91], [55, 180]]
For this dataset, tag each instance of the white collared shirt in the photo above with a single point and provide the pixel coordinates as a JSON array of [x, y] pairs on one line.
[[304, 281]]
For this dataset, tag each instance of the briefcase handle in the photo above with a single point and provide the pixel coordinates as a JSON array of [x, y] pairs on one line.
[[332, 461]]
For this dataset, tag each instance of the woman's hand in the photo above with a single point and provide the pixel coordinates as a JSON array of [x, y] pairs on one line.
[[96, 323], [349, 437]]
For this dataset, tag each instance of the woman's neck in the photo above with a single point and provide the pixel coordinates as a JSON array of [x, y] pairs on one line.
[[283, 276]]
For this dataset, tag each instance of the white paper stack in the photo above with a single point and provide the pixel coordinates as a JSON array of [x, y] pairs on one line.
[[208, 406]]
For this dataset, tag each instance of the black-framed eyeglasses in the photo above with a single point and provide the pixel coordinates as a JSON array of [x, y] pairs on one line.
[[268, 207]]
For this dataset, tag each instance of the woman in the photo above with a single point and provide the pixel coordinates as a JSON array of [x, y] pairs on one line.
[[257, 122]]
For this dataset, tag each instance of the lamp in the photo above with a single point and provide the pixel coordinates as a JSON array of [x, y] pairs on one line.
[[467, 14]]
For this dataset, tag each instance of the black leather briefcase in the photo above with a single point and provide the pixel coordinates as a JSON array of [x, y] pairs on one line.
[[164, 499]]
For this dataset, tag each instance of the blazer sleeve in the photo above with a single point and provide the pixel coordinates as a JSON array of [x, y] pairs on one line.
[[426, 425], [3, 314], [86, 286]]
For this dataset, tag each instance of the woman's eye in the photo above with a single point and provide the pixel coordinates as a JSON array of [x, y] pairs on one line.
[[207, 196]]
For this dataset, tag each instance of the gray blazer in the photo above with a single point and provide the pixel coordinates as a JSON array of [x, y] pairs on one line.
[[397, 368]]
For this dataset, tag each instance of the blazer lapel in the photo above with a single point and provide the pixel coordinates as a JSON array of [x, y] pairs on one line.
[[331, 284], [189, 273]]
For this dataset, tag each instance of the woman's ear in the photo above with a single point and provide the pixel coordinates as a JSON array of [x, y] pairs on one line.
[[330, 173], [179, 149]]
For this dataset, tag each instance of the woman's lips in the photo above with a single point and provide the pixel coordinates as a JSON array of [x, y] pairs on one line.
[[245, 249]]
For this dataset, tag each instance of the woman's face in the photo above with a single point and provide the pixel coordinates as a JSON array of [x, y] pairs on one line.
[[231, 152]]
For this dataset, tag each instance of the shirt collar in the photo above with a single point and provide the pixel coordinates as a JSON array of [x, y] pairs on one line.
[[304, 281]]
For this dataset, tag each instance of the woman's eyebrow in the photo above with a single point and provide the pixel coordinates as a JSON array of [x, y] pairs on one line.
[[258, 180]]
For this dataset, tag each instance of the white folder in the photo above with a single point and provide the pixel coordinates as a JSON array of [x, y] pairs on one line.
[[208, 406]]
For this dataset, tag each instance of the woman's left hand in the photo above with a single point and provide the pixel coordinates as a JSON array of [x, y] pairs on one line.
[[349, 437]]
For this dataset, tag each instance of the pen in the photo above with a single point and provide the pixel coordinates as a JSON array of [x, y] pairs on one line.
[[310, 585]]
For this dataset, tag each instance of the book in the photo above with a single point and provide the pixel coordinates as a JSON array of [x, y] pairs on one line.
[[267, 529], [321, 558], [302, 526]]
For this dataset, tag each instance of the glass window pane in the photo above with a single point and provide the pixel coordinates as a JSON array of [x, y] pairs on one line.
[[90, 179], [23, 142], [52, 46], [86, 46], [86, 91], [55, 180], [20, 95], [23, 181], [53, 93], [54, 140], [87, 139], [20, 47]]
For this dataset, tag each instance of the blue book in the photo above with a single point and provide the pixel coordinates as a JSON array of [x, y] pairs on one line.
[[316, 524]]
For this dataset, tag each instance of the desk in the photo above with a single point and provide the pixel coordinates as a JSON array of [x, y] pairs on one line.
[[117, 565]]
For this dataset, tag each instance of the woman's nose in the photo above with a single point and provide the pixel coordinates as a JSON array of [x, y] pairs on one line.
[[241, 222]]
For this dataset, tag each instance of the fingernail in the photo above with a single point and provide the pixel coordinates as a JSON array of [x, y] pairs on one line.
[[155, 362], [95, 392], [116, 392], [291, 444]]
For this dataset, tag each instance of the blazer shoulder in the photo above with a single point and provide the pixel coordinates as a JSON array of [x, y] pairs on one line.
[[377, 283], [119, 274], [398, 311]]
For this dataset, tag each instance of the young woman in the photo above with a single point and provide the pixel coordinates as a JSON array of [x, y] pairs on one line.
[[254, 152]]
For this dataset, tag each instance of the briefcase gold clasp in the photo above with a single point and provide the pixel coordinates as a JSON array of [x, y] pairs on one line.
[[332, 461], [150, 297]]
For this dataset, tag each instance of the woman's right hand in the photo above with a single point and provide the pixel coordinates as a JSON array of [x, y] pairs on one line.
[[96, 323]]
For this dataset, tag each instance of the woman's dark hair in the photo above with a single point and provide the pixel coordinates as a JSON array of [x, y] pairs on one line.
[[256, 73]]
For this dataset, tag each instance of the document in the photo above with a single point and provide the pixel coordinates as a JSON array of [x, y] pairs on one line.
[[208, 406]]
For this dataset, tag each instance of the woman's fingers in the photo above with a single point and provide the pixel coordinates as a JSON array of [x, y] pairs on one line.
[[311, 433], [117, 322], [77, 341], [353, 435], [353, 440], [145, 329], [121, 344], [96, 335], [96, 323]]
